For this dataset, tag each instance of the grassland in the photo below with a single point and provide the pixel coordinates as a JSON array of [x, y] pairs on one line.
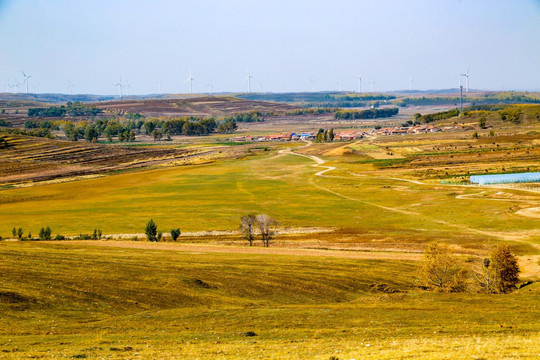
[[81, 301], [354, 196], [338, 280]]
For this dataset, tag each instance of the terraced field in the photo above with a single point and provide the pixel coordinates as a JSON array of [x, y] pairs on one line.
[[198, 106], [28, 159]]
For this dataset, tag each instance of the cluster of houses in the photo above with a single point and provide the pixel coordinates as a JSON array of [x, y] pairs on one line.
[[342, 135]]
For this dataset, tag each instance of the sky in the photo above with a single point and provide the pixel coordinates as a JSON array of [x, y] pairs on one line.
[[286, 45]]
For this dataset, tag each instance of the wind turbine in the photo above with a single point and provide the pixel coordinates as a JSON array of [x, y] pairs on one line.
[[120, 85], [248, 79], [313, 84], [359, 83], [16, 85], [70, 87], [410, 83], [466, 79], [340, 86], [26, 77], [371, 83], [210, 87], [159, 86], [190, 79], [127, 88]]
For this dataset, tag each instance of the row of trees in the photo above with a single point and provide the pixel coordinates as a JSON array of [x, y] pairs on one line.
[[5, 123], [324, 136], [45, 233], [265, 225], [442, 271], [365, 114], [435, 116], [127, 130], [252, 116], [153, 235], [71, 109]]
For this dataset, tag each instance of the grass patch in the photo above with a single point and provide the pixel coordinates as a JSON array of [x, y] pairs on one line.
[[102, 302]]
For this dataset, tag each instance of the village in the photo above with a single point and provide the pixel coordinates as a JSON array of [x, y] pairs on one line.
[[344, 135]]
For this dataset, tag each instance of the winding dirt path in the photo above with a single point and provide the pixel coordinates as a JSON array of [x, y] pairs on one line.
[[519, 237]]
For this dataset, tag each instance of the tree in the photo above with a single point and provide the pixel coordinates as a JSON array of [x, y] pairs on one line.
[[149, 127], [45, 233], [482, 122], [14, 232], [439, 269], [227, 127], [265, 224], [90, 133], [475, 135], [246, 226], [500, 272], [175, 233], [96, 235], [151, 231], [331, 135], [20, 233], [491, 133], [157, 134]]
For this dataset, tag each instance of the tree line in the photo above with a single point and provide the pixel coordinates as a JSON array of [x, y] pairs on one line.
[[365, 114], [71, 109], [443, 271], [126, 131], [436, 116]]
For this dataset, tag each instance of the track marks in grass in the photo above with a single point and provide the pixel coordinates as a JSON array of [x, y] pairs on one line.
[[497, 234]]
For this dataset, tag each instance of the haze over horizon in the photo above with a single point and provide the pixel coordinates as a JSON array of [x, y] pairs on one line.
[[283, 44]]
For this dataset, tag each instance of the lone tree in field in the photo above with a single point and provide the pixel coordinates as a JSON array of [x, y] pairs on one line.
[[175, 233], [265, 224], [151, 231], [246, 226], [500, 272], [439, 269]]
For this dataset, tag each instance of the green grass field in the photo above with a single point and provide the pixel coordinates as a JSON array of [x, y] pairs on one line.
[[82, 301], [214, 196]]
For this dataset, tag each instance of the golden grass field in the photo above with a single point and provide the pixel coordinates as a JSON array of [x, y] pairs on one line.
[[337, 281]]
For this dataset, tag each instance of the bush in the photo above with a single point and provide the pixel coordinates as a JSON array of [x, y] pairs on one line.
[[175, 233]]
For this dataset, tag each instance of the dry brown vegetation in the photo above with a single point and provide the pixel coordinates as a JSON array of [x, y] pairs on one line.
[[199, 106], [39, 159]]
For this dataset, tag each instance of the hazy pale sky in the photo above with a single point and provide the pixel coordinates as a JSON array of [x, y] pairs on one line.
[[282, 43]]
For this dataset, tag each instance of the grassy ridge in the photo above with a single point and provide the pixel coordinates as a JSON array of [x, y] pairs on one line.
[[74, 300]]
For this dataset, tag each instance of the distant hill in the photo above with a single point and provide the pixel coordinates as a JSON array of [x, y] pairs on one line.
[[197, 106]]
